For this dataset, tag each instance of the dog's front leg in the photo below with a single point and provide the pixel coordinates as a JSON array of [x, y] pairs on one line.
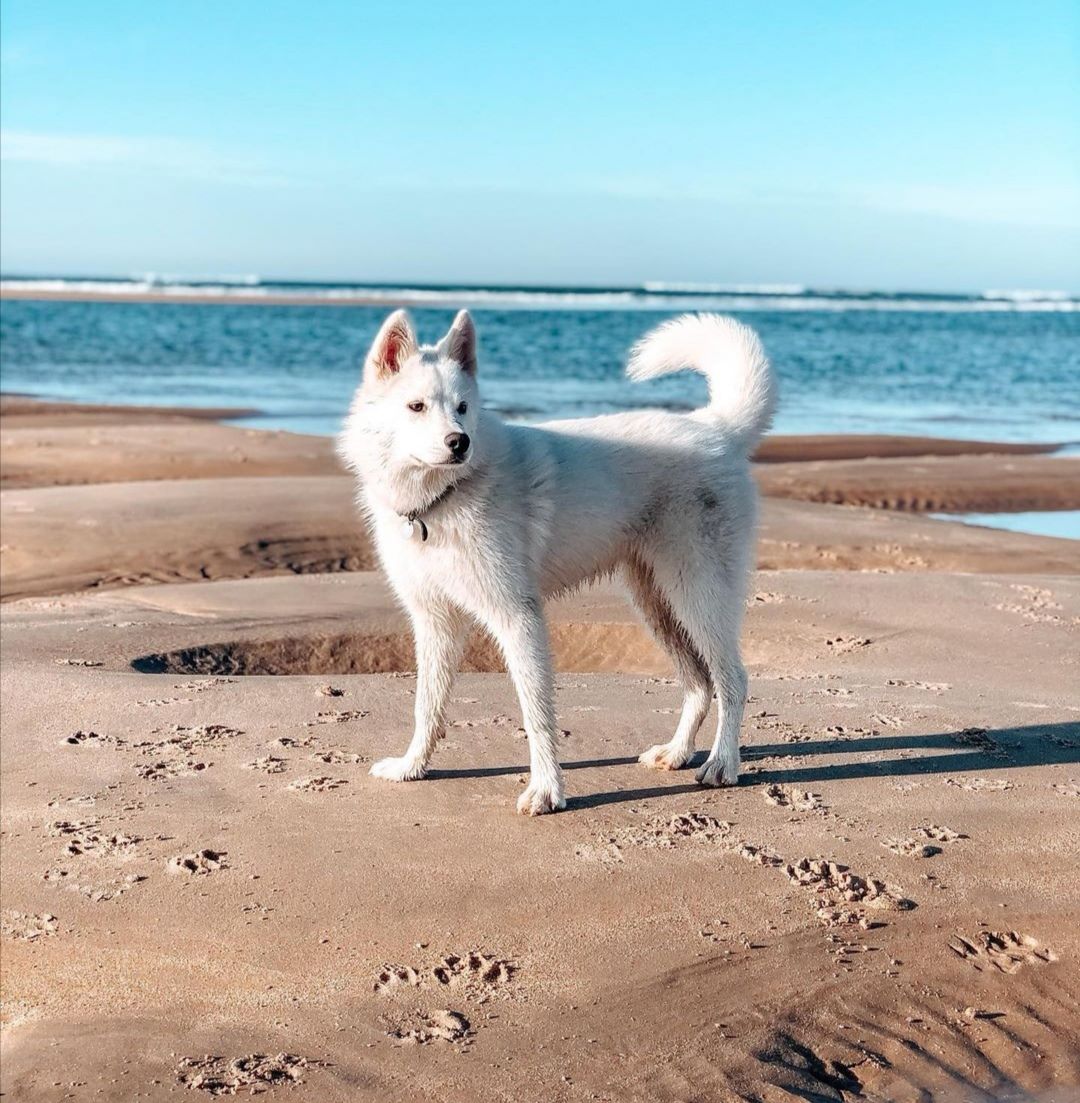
[[440, 632], [524, 642]]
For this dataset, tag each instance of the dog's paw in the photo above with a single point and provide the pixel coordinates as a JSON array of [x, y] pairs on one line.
[[664, 757], [540, 798], [717, 772], [398, 769]]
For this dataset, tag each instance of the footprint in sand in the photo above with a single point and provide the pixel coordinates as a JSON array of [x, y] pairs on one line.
[[1066, 788], [257, 1072], [758, 855], [392, 977], [938, 833], [473, 974], [334, 756], [27, 928], [911, 848], [92, 739], [97, 891], [184, 738], [80, 800], [842, 645], [475, 971], [165, 769], [291, 743], [842, 732], [980, 740], [1032, 603], [88, 837], [667, 832], [932, 687], [788, 796], [199, 685], [783, 730], [424, 1027], [174, 753], [199, 863], [79, 737], [336, 716], [1005, 951], [1063, 741], [268, 764], [316, 784], [922, 844], [979, 784], [885, 721], [841, 896]]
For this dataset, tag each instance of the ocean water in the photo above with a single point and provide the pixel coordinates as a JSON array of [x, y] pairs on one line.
[[1062, 522], [998, 365]]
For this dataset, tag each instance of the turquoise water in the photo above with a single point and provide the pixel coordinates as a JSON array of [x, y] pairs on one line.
[[1063, 522], [953, 366]]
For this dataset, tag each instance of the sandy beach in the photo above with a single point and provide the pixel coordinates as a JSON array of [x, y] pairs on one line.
[[203, 889]]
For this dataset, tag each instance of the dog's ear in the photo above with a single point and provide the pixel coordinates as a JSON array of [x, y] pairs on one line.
[[393, 345], [460, 343]]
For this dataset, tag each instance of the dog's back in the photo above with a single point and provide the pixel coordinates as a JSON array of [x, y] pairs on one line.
[[614, 486]]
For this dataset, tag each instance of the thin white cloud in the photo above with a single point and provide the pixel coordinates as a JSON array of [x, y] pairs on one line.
[[169, 156], [1037, 204], [1042, 204]]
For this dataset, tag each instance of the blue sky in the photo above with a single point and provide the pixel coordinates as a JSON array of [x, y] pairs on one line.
[[840, 144]]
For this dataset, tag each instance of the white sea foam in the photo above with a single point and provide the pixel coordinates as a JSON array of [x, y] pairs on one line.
[[1022, 296], [652, 296], [249, 279], [771, 289]]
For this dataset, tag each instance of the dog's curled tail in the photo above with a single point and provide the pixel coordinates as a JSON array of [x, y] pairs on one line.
[[742, 388]]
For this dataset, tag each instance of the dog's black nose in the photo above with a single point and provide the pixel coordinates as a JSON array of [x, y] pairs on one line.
[[458, 443]]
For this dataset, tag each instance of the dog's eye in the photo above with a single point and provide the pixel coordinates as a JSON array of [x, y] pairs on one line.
[[462, 407], [416, 407]]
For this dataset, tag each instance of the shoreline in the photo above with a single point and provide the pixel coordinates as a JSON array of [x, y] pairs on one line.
[[45, 443], [16, 404], [775, 448]]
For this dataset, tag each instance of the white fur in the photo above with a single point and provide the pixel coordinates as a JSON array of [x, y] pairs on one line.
[[665, 499]]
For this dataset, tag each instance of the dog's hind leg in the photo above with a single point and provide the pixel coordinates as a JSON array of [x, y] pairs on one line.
[[691, 668], [522, 635], [722, 765], [707, 598], [440, 630]]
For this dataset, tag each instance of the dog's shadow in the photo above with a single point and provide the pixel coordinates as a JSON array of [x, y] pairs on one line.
[[961, 751]]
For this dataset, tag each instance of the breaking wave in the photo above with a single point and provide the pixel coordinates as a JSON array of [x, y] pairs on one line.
[[653, 295]]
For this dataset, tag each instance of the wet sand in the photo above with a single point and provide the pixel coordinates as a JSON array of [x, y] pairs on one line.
[[204, 890]]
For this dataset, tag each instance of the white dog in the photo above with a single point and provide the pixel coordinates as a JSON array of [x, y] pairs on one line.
[[477, 522]]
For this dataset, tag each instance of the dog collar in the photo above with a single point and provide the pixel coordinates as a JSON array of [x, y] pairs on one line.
[[412, 523]]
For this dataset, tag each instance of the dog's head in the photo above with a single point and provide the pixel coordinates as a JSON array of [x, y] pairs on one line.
[[422, 400]]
